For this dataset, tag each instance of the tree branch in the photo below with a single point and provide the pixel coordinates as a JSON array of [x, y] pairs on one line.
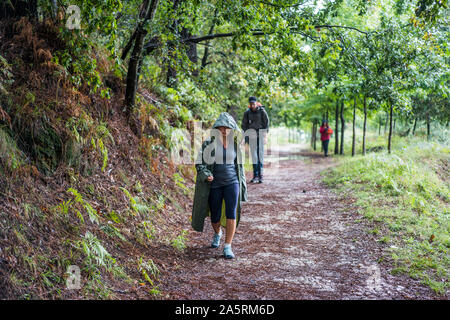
[[281, 5], [343, 27]]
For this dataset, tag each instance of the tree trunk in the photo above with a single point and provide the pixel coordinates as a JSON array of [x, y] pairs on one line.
[[232, 110], [133, 74], [395, 121], [172, 57], [380, 123], [204, 61], [336, 134], [354, 129], [428, 127], [391, 113], [386, 122], [342, 128], [364, 127], [191, 52], [414, 126], [171, 69], [136, 56], [314, 135]]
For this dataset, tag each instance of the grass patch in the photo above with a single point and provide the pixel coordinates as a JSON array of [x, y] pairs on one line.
[[406, 194]]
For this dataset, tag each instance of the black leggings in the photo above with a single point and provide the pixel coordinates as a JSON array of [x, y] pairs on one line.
[[228, 193], [325, 146]]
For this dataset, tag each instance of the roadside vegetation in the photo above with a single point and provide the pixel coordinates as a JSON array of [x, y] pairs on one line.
[[406, 194]]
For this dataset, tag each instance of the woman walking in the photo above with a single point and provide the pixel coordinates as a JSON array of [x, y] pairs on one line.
[[220, 186], [325, 133]]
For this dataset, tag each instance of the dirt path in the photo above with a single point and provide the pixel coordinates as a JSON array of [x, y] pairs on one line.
[[297, 240]]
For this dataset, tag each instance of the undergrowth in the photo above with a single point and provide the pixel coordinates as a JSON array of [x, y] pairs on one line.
[[79, 184]]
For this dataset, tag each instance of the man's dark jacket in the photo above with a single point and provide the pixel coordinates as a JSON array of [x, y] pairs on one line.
[[257, 119]]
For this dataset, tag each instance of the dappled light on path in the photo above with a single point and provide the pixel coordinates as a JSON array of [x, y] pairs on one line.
[[296, 240]]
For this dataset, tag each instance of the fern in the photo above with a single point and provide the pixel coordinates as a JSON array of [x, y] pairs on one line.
[[148, 270], [83, 130], [104, 152], [133, 202], [96, 254], [179, 242], [112, 231], [65, 206], [93, 216]]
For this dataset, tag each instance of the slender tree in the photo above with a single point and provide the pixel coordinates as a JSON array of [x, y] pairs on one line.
[[336, 134], [391, 113], [354, 129], [364, 126], [414, 126], [147, 14], [342, 127]]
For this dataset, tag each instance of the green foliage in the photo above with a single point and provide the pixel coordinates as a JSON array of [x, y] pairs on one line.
[[114, 217], [96, 256], [138, 187], [64, 207], [149, 270], [6, 77], [84, 133], [145, 231], [78, 198], [112, 231], [137, 205], [180, 182], [11, 157], [179, 242], [98, 25], [81, 68]]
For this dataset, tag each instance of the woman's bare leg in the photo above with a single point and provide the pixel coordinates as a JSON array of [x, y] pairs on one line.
[[230, 230], [216, 227]]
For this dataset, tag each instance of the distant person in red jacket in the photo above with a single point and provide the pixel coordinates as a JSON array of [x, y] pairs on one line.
[[325, 133]]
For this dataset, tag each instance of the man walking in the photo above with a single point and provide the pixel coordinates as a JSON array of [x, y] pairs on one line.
[[256, 118]]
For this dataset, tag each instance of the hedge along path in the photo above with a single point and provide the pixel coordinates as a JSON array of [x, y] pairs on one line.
[[297, 240]]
